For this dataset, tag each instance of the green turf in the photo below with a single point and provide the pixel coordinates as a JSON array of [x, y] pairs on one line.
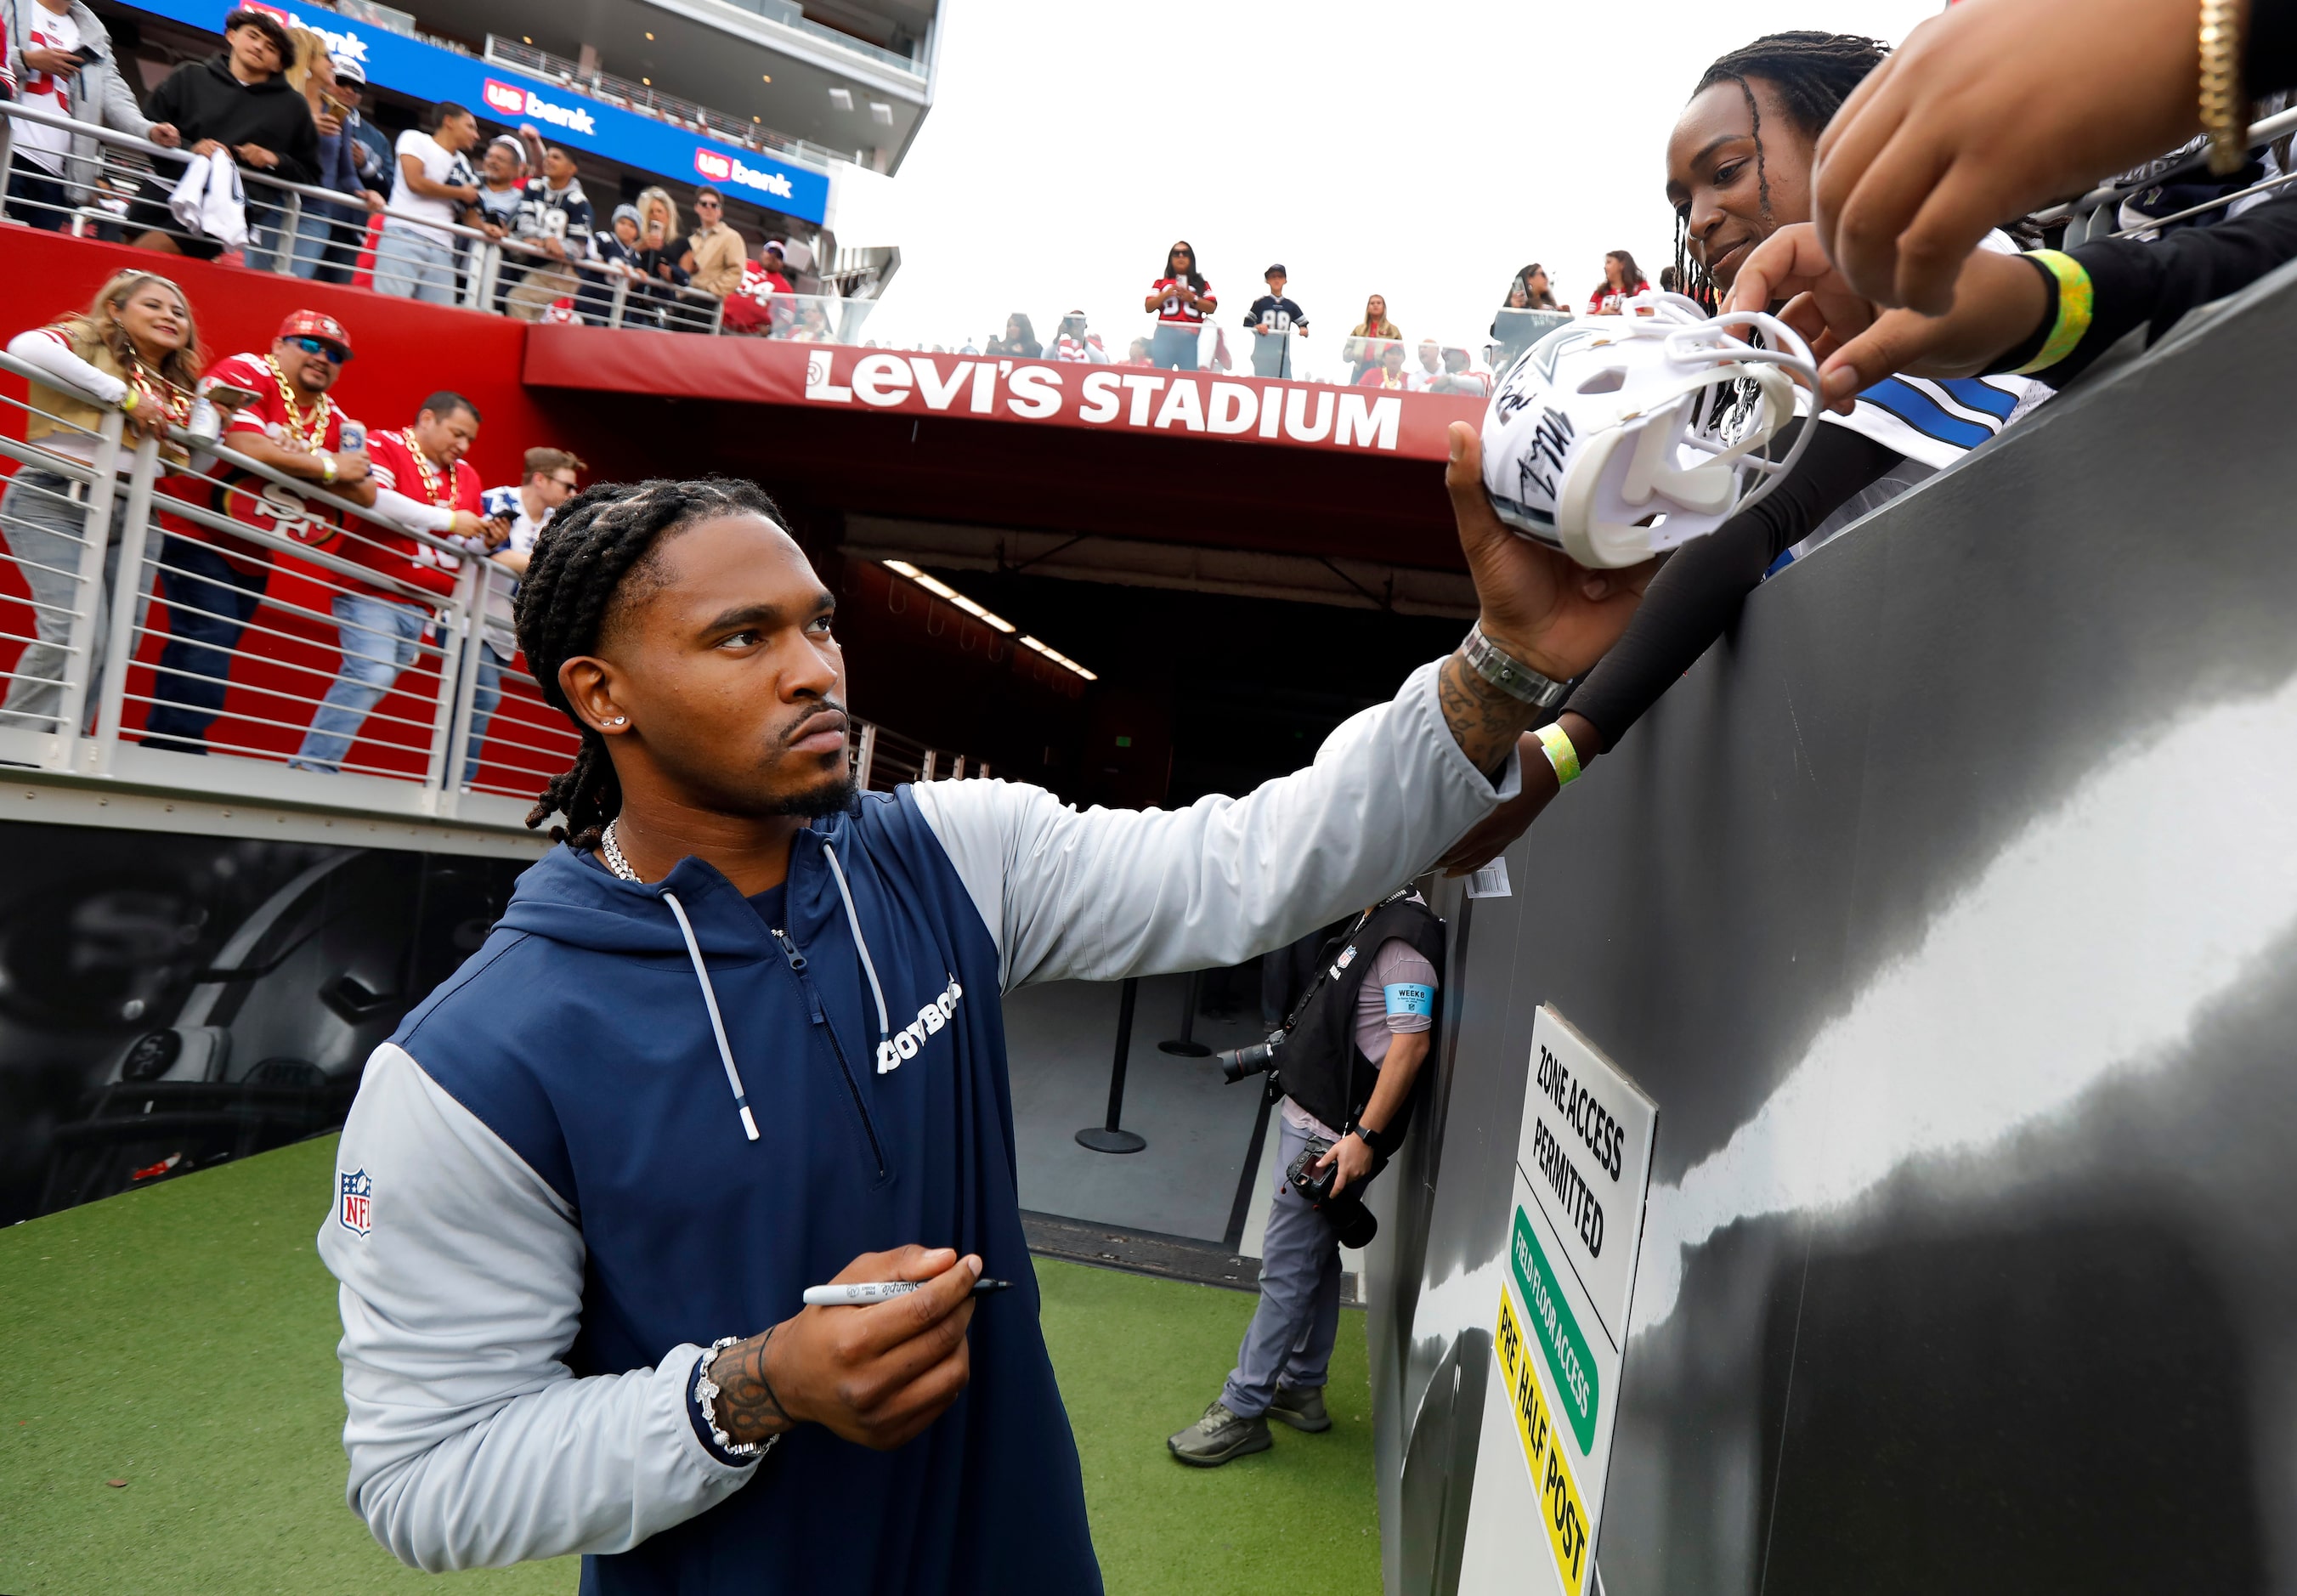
[[1140, 1358], [182, 1339]]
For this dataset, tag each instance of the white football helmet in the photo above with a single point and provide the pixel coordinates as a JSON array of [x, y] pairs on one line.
[[1616, 437]]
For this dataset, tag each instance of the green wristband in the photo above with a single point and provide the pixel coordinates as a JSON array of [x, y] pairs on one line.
[[1559, 753], [2076, 301]]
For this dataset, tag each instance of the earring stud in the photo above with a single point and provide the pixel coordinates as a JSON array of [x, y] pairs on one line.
[[618, 720]]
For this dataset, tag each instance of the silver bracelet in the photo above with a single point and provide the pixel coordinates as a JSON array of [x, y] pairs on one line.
[[706, 1391], [1509, 674]]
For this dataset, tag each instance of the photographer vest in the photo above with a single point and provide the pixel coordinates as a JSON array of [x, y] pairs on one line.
[[1322, 1068]]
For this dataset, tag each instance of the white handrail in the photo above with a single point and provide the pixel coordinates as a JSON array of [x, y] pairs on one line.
[[93, 685]]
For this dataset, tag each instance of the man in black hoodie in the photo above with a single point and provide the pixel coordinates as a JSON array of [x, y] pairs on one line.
[[238, 101]]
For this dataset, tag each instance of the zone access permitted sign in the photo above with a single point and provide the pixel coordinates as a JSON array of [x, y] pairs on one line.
[[1575, 1225]]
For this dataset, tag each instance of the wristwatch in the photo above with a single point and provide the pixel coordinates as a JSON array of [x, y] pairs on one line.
[[1379, 1144], [1509, 674]]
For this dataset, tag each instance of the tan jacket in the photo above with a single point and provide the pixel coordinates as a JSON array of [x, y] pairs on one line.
[[718, 256], [53, 409]]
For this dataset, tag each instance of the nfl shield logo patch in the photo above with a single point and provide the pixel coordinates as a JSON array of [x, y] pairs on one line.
[[352, 1207]]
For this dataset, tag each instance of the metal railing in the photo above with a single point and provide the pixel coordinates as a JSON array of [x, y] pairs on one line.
[[885, 760], [649, 101], [198, 622], [1466, 368], [294, 229], [2097, 214], [209, 603]]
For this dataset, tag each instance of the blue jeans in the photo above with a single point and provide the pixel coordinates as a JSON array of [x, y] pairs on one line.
[[412, 266], [1174, 347], [325, 241], [379, 638], [486, 693], [37, 199], [1289, 1341], [210, 602]]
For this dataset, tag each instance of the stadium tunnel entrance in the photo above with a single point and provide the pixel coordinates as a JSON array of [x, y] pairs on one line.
[[1208, 608]]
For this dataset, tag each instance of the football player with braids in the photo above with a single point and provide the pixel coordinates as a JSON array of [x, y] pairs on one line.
[[739, 1036], [1738, 170]]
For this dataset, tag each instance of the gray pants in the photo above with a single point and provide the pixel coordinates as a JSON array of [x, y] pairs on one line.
[[47, 529], [1292, 1331]]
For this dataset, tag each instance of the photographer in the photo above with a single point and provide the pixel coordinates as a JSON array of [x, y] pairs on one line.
[[1347, 1057]]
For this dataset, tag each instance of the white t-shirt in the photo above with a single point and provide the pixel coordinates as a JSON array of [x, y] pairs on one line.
[[45, 146], [438, 164]]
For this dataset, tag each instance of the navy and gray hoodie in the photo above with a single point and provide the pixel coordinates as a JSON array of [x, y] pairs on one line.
[[643, 1118]]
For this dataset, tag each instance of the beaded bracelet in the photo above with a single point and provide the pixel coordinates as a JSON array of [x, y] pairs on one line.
[[705, 1392]]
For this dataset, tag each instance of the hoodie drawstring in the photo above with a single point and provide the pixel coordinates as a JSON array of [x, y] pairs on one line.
[[885, 1023], [717, 1025]]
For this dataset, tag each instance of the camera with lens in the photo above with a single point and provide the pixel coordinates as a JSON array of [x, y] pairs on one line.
[[1237, 1063], [1350, 1220]]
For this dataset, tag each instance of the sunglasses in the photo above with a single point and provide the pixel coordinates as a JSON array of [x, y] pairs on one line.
[[321, 346], [706, 204]]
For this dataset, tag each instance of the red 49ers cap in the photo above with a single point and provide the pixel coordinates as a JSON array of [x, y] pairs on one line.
[[316, 323]]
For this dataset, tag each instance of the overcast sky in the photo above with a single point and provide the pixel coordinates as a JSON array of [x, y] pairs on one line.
[[1424, 151]]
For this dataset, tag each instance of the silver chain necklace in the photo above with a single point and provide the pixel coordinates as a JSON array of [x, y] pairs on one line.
[[613, 854]]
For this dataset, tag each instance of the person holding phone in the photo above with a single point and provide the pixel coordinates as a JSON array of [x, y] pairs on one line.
[[325, 246], [65, 65], [1182, 300]]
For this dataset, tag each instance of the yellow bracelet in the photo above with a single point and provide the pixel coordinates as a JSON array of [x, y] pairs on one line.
[[2076, 301], [1559, 753], [127, 402]]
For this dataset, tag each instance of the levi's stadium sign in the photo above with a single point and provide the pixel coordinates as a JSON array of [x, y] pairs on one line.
[[498, 93]]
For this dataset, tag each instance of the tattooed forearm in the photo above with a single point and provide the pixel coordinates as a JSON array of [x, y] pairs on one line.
[[746, 1408], [1485, 720]]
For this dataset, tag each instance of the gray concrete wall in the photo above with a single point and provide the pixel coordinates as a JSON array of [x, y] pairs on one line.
[[1949, 910]]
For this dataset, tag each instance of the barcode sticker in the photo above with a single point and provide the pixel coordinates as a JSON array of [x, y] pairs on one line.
[[1490, 882]]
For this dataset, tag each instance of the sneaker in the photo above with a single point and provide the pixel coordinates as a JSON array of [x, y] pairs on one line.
[[1301, 1407], [1218, 1436]]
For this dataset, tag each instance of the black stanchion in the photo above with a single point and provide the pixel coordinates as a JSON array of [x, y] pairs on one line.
[[1110, 1138], [1186, 1045]]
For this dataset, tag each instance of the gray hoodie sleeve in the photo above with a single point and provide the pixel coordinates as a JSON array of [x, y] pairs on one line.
[[471, 1443], [1109, 892]]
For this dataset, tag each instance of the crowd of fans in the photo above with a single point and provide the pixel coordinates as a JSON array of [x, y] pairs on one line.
[[274, 103], [136, 348], [1374, 353]]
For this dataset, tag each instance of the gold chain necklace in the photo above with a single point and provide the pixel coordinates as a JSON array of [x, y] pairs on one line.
[[299, 431], [423, 465]]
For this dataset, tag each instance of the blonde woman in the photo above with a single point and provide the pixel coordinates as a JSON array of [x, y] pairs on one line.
[[1370, 339], [659, 249], [328, 235], [135, 349]]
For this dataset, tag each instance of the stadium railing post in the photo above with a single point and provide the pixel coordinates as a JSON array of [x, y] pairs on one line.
[[87, 595], [128, 591]]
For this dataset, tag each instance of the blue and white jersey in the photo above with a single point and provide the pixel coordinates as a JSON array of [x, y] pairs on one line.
[[1937, 422], [1932, 422], [507, 504]]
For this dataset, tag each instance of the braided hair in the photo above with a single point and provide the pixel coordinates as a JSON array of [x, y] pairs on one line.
[[580, 574], [1812, 74]]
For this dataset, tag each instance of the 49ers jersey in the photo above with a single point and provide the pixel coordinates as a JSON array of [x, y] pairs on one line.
[[403, 468], [257, 501]]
